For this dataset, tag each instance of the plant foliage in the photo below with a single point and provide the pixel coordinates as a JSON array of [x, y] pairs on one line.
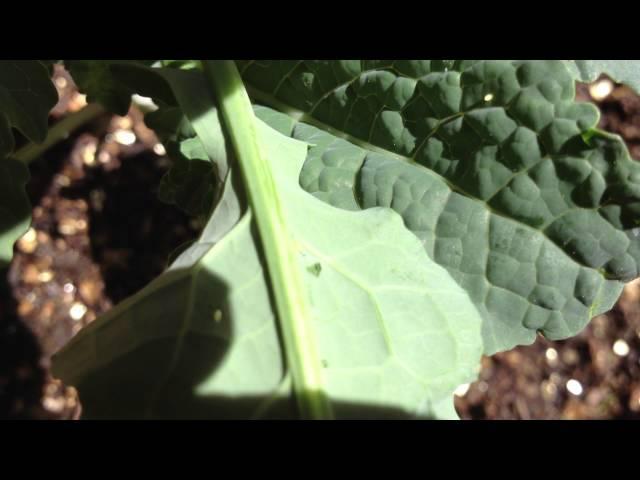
[[374, 228], [26, 97]]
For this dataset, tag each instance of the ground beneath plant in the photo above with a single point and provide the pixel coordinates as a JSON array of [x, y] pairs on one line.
[[99, 234]]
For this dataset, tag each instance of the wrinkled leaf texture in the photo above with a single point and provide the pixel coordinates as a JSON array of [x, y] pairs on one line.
[[492, 164]]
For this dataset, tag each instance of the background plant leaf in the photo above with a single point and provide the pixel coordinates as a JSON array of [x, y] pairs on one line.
[[170, 124], [621, 71], [202, 341], [15, 210], [190, 183], [95, 79], [194, 181], [492, 164], [27, 95]]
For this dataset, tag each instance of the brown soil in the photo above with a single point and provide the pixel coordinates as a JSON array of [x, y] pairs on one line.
[[99, 234]]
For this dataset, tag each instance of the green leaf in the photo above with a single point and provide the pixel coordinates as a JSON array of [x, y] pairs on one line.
[[621, 71], [15, 210], [95, 79], [187, 88], [492, 164], [190, 183], [26, 98], [182, 64], [395, 334], [194, 180], [170, 124], [7, 142]]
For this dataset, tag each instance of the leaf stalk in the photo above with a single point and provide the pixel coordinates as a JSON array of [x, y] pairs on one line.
[[279, 249], [59, 132]]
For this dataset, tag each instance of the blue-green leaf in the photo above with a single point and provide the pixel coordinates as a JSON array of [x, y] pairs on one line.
[[492, 164]]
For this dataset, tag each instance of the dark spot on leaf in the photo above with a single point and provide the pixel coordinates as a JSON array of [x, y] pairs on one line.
[[315, 269]]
